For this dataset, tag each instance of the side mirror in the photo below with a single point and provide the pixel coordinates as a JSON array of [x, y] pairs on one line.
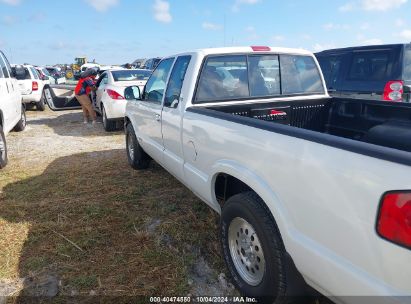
[[132, 93]]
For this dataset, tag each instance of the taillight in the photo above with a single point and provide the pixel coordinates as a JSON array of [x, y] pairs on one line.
[[114, 94], [34, 86], [393, 90], [394, 218]]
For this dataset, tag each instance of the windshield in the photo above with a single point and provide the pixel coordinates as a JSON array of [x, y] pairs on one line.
[[130, 75]]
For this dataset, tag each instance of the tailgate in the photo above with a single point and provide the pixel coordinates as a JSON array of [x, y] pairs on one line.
[[25, 86]]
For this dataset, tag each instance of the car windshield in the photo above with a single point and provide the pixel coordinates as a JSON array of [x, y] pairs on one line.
[[130, 75]]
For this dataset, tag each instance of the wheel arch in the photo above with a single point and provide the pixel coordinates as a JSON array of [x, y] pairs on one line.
[[230, 178], [126, 121]]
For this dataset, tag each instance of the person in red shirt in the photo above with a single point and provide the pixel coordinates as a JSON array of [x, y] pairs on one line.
[[82, 91]]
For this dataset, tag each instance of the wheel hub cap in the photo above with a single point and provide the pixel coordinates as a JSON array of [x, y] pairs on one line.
[[246, 251]]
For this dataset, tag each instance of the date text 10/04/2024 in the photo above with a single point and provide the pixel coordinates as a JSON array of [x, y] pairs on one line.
[[198, 299]]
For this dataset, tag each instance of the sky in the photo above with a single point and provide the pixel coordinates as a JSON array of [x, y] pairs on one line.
[[46, 32]]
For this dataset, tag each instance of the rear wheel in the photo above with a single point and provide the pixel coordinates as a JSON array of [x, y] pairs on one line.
[[41, 105], [253, 248], [3, 149], [21, 125], [108, 124], [137, 158]]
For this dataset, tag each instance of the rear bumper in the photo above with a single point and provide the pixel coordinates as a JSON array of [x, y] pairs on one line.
[[29, 98], [115, 109]]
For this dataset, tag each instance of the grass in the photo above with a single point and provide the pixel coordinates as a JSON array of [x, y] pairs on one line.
[[105, 208]]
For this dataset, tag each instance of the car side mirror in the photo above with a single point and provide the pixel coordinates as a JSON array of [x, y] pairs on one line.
[[132, 93]]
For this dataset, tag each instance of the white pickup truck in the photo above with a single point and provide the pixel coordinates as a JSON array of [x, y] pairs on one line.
[[302, 181]]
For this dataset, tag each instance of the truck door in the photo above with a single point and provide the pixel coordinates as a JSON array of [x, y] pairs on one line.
[[171, 118], [148, 120]]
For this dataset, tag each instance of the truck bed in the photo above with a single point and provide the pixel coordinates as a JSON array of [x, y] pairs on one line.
[[379, 123]]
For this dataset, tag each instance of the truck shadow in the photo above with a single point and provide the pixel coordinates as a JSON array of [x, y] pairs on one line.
[[71, 124], [91, 226]]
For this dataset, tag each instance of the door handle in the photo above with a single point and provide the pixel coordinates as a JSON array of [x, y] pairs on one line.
[[157, 117]]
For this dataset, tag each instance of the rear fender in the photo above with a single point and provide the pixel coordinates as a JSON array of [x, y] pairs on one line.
[[260, 187]]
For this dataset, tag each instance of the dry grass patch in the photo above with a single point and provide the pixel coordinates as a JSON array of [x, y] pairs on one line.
[[102, 226]]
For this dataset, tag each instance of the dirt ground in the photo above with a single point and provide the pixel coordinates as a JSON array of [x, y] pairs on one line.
[[76, 220]]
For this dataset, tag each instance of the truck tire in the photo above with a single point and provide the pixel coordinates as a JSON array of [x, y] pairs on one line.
[[253, 249], [41, 105], [3, 149], [21, 125], [137, 158], [108, 124]]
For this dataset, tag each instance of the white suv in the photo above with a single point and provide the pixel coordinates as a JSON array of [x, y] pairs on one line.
[[12, 113], [31, 86]]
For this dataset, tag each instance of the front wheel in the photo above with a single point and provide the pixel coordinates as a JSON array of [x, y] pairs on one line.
[[3, 149], [253, 249], [137, 158]]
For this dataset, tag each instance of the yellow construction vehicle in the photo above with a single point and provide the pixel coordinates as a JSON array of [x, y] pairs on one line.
[[75, 67]]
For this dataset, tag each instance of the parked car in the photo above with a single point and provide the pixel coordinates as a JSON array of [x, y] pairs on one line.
[[150, 64], [109, 99], [309, 187], [12, 114], [31, 86], [57, 74], [45, 75], [379, 72]]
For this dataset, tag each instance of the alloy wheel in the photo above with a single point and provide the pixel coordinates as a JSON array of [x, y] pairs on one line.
[[246, 251]]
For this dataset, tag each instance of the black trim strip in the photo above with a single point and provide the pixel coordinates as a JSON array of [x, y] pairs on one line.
[[384, 153]]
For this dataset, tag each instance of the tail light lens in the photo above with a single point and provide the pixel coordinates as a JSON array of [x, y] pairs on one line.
[[114, 95], [34, 86], [394, 218], [393, 90]]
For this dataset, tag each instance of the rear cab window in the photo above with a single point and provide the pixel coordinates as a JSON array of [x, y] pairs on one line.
[[237, 77]]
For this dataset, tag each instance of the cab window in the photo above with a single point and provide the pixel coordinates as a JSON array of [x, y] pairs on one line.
[[300, 75], [176, 81], [156, 84], [34, 72]]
